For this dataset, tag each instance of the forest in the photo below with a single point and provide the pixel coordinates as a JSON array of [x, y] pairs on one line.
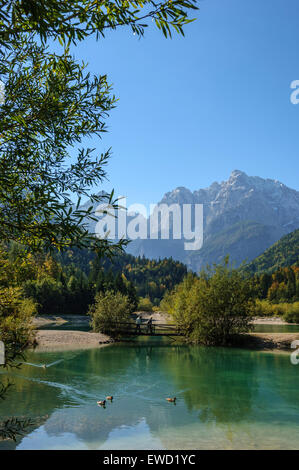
[[68, 283], [280, 286]]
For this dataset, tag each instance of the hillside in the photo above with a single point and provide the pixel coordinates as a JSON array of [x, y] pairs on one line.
[[242, 241], [283, 253]]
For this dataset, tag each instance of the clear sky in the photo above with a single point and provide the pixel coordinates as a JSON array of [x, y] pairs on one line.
[[193, 109]]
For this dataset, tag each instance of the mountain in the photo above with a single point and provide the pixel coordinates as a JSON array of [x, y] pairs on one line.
[[243, 216], [283, 253]]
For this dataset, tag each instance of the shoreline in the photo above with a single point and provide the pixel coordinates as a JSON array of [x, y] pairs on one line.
[[272, 342], [84, 320], [271, 321], [158, 317], [55, 340]]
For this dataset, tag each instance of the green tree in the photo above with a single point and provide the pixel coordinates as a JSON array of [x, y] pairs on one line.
[[47, 293], [109, 312], [15, 332], [213, 308], [76, 20], [51, 104], [132, 296], [145, 305]]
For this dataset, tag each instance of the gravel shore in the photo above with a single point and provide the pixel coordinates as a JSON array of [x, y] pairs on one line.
[[50, 340], [269, 341]]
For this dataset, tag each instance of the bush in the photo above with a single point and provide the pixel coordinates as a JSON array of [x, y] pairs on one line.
[[145, 305], [264, 308], [16, 314], [288, 311], [291, 314], [212, 308], [109, 312]]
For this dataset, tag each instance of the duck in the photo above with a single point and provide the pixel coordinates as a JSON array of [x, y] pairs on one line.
[[171, 399], [101, 402], [110, 397]]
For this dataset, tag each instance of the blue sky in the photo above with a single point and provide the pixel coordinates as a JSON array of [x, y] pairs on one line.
[[193, 109]]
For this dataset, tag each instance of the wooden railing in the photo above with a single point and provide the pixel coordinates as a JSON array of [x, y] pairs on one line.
[[132, 329]]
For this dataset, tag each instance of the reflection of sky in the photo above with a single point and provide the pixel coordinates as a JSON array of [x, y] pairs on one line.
[[225, 399]]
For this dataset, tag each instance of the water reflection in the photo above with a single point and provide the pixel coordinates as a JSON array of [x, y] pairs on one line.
[[220, 385], [225, 398]]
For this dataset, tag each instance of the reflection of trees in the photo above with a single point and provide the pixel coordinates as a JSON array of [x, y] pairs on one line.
[[217, 382], [214, 385], [220, 383], [67, 392], [277, 374]]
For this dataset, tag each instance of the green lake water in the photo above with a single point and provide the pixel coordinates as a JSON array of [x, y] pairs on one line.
[[258, 328], [226, 399], [268, 328]]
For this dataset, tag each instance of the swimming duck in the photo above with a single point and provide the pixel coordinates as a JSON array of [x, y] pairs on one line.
[[109, 398], [171, 399], [101, 402]]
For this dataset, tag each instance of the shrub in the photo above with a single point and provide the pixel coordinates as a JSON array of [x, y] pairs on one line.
[[264, 308], [212, 308], [156, 309], [16, 314], [145, 305], [288, 311], [291, 314], [109, 312]]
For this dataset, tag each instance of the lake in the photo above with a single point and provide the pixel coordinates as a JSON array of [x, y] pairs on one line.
[[268, 328], [226, 398]]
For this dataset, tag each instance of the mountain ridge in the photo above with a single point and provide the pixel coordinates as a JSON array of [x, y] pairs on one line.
[[261, 210], [283, 253]]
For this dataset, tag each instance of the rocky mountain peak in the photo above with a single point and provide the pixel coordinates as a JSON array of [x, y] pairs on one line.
[[237, 174], [242, 217]]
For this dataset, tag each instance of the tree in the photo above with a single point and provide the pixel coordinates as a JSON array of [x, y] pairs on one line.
[[145, 305], [51, 104], [76, 20], [109, 312], [15, 332], [132, 296], [213, 308], [47, 293]]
